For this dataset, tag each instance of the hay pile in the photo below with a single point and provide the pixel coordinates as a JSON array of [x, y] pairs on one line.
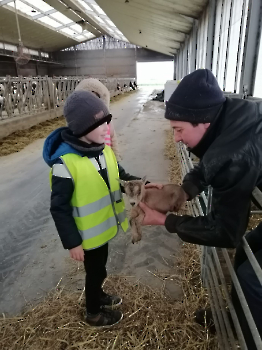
[[151, 320], [254, 219], [175, 173], [22, 138], [18, 140]]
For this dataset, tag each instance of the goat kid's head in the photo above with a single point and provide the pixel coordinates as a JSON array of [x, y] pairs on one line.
[[134, 190]]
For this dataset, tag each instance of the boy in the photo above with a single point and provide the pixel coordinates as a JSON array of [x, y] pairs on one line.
[[86, 200]]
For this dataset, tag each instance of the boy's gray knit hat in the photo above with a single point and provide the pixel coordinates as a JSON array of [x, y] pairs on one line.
[[84, 112]]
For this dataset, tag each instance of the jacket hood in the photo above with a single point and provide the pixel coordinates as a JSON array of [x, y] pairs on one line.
[[94, 85], [55, 147]]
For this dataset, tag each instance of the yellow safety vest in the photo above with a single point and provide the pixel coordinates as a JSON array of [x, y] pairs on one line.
[[97, 211]]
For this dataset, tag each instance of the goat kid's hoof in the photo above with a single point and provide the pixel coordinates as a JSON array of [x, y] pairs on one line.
[[135, 240]]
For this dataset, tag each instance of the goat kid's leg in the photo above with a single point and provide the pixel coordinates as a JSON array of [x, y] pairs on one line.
[[136, 219], [135, 231]]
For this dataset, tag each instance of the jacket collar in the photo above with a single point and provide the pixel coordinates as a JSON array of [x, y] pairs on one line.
[[211, 134], [89, 150]]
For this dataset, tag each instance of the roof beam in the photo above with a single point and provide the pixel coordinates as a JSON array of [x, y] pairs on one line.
[[160, 25], [76, 15], [42, 14]]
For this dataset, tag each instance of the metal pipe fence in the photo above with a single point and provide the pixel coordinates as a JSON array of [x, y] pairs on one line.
[[214, 267], [31, 95]]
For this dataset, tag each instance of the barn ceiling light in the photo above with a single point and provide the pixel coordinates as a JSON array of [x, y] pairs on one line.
[[21, 6], [77, 28], [49, 21], [84, 4], [81, 37], [41, 5], [99, 19], [61, 18], [68, 31], [88, 35], [110, 23], [99, 10]]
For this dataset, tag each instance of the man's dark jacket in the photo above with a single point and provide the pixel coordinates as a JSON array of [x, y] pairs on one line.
[[230, 161]]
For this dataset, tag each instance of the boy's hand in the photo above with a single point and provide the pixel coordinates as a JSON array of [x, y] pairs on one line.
[[154, 185], [77, 253], [152, 217]]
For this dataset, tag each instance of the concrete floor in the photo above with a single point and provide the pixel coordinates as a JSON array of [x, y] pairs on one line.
[[32, 259]]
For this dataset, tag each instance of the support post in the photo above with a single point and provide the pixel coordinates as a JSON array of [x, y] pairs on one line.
[[192, 62], [247, 79], [210, 32]]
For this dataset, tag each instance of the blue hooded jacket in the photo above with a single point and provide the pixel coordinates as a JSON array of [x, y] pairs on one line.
[[55, 147], [62, 189]]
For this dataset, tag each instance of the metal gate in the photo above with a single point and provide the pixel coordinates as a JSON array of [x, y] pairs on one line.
[[214, 262]]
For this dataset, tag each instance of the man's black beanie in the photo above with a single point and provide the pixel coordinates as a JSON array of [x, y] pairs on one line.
[[197, 99]]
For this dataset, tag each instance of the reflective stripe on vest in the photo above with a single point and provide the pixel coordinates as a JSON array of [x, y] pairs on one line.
[[61, 171], [95, 206], [101, 160], [97, 211], [95, 231]]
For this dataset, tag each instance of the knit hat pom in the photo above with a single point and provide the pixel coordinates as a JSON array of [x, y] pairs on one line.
[[95, 86]]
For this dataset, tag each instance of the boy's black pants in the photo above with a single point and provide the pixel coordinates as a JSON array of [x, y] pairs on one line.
[[95, 266]]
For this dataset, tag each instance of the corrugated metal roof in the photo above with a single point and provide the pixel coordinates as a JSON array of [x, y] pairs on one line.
[[51, 25], [159, 25], [76, 20], [34, 35]]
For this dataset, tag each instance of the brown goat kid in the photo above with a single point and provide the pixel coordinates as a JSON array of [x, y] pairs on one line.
[[168, 199]]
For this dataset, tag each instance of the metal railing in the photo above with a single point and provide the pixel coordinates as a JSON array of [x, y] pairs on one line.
[[214, 279], [31, 95]]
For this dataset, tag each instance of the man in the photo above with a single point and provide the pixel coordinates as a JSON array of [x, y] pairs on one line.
[[226, 135]]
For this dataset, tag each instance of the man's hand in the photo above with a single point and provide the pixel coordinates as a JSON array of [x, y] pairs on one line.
[[152, 217], [77, 253], [154, 185]]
